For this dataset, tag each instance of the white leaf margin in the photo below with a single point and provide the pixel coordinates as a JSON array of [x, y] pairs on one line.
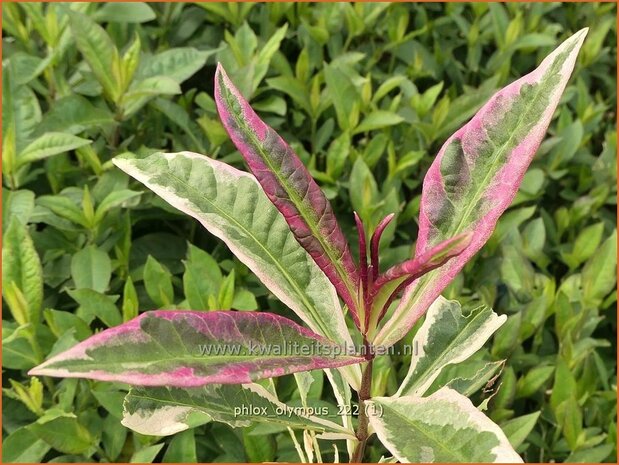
[[504, 452], [421, 339]]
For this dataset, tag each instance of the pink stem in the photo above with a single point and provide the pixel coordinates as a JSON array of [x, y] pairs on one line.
[[363, 263], [376, 241]]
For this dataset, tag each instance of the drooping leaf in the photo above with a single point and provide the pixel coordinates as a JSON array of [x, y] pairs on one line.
[[290, 187], [233, 207], [162, 411], [189, 349], [444, 427], [476, 175]]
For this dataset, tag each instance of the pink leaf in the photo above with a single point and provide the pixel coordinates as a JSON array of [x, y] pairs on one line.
[[476, 175], [290, 187], [188, 349]]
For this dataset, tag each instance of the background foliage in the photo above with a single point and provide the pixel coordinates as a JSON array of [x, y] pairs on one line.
[[366, 93]]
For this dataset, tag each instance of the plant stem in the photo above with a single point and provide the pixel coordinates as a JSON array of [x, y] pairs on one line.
[[362, 428]]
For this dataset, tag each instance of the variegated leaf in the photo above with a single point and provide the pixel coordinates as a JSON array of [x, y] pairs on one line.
[[444, 427], [162, 411], [290, 187], [446, 337], [476, 175], [231, 205], [189, 349]]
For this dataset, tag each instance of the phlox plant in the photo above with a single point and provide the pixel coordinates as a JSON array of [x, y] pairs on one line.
[[187, 368]]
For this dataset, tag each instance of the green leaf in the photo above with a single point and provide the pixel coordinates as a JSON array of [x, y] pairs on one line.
[[226, 292], [178, 64], [158, 282], [74, 114], [21, 113], [64, 433], [99, 51], [517, 429], [16, 204], [182, 449], [94, 304], [564, 386], [23, 446], [146, 454], [585, 245], [597, 454], [112, 200], [344, 95], [91, 268], [444, 427], [63, 207], [378, 119], [21, 266], [259, 449], [447, 336], [363, 190], [165, 411], [202, 278], [179, 117], [599, 275], [131, 304], [533, 380], [141, 92], [125, 12], [113, 437]]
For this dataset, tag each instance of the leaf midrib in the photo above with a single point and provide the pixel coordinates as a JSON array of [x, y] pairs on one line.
[[299, 205], [449, 451], [426, 279], [309, 423], [232, 220], [417, 383], [500, 151]]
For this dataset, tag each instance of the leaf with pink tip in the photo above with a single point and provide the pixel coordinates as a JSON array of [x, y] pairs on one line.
[[476, 175], [290, 187], [189, 349]]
